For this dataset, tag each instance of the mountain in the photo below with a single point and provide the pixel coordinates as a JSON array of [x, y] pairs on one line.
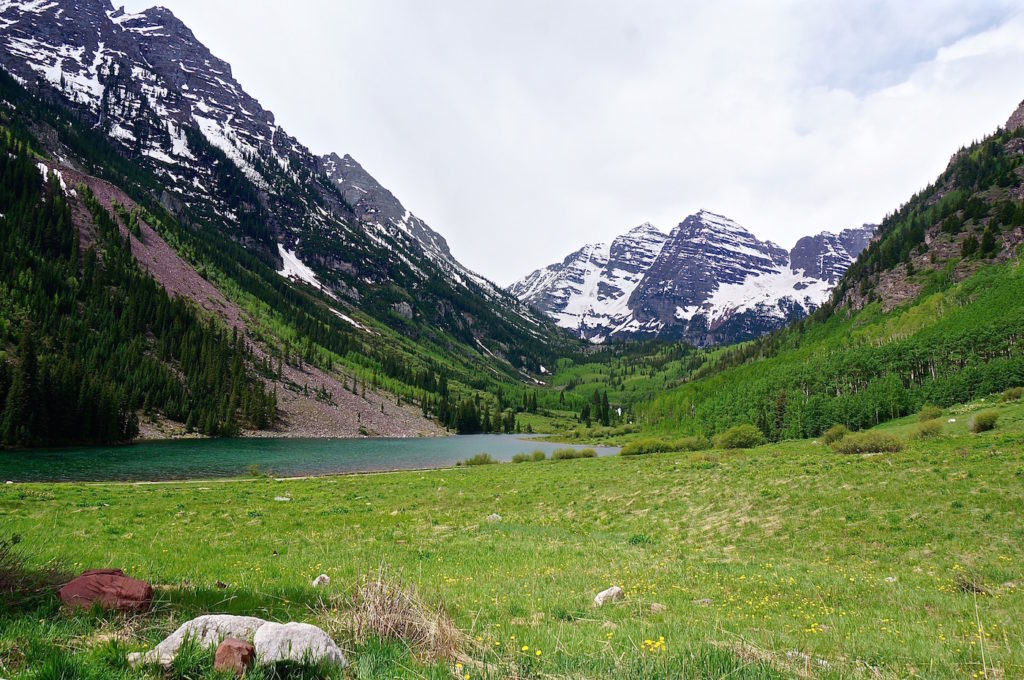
[[930, 313], [221, 159], [317, 303], [710, 281]]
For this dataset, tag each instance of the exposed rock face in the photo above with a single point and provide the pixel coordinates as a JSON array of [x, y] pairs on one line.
[[298, 642], [1016, 119], [709, 281], [234, 656], [109, 588], [826, 256]]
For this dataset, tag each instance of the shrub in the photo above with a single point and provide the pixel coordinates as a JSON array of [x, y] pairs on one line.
[[642, 446], [479, 459], [983, 421], [697, 443], [929, 428], [537, 455], [929, 412], [834, 434], [739, 437], [569, 454], [1013, 394], [868, 442]]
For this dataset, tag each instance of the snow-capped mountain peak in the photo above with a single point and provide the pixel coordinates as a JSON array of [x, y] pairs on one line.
[[709, 281]]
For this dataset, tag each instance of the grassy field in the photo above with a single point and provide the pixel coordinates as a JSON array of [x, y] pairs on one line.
[[786, 560]]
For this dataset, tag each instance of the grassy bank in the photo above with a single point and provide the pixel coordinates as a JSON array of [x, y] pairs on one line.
[[788, 559]]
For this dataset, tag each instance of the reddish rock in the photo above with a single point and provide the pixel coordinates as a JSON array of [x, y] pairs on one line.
[[110, 588], [235, 656]]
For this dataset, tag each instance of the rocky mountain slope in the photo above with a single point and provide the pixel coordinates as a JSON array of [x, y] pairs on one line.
[[710, 281], [223, 162]]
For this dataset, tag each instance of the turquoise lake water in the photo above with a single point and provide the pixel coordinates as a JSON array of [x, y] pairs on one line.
[[208, 458]]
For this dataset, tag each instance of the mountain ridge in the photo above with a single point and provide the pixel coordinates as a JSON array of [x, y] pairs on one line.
[[708, 281]]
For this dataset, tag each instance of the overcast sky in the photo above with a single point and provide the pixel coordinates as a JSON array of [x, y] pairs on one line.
[[522, 129]]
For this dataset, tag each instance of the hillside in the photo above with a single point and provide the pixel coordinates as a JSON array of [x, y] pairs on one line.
[[930, 312], [349, 308]]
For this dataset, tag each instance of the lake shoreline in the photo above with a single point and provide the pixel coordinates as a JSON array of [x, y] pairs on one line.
[[191, 460]]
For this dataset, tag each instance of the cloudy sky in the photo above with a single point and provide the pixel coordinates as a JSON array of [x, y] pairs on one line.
[[522, 129]]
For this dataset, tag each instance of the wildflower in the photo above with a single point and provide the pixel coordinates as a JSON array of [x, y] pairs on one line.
[[538, 652], [526, 648]]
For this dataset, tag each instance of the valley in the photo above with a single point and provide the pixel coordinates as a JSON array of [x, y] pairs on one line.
[[245, 373]]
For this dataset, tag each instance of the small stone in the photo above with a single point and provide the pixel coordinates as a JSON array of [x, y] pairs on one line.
[[321, 581], [8, 482], [282, 499], [234, 656], [952, 420], [613, 594], [890, 579], [706, 602], [222, 585], [493, 517], [658, 608]]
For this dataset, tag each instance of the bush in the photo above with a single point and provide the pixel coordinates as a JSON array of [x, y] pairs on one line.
[[643, 446], [1013, 394], [929, 428], [697, 443], [569, 454], [868, 442], [479, 459], [983, 421], [929, 412], [834, 434], [739, 437], [537, 455]]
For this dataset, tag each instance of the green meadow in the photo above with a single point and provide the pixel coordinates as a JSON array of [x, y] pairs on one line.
[[787, 560]]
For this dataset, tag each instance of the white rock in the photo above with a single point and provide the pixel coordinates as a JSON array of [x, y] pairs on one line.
[[282, 498], [890, 579], [8, 482], [613, 594], [321, 580], [207, 631], [299, 642], [952, 420], [493, 517]]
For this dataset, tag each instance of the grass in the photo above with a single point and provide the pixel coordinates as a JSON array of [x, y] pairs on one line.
[[786, 560]]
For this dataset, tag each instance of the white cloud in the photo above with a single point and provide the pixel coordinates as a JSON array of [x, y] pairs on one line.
[[521, 130]]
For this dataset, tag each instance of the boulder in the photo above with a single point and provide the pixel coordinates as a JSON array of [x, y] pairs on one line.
[[613, 594], [109, 588], [206, 630], [321, 581], [234, 656], [297, 642]]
